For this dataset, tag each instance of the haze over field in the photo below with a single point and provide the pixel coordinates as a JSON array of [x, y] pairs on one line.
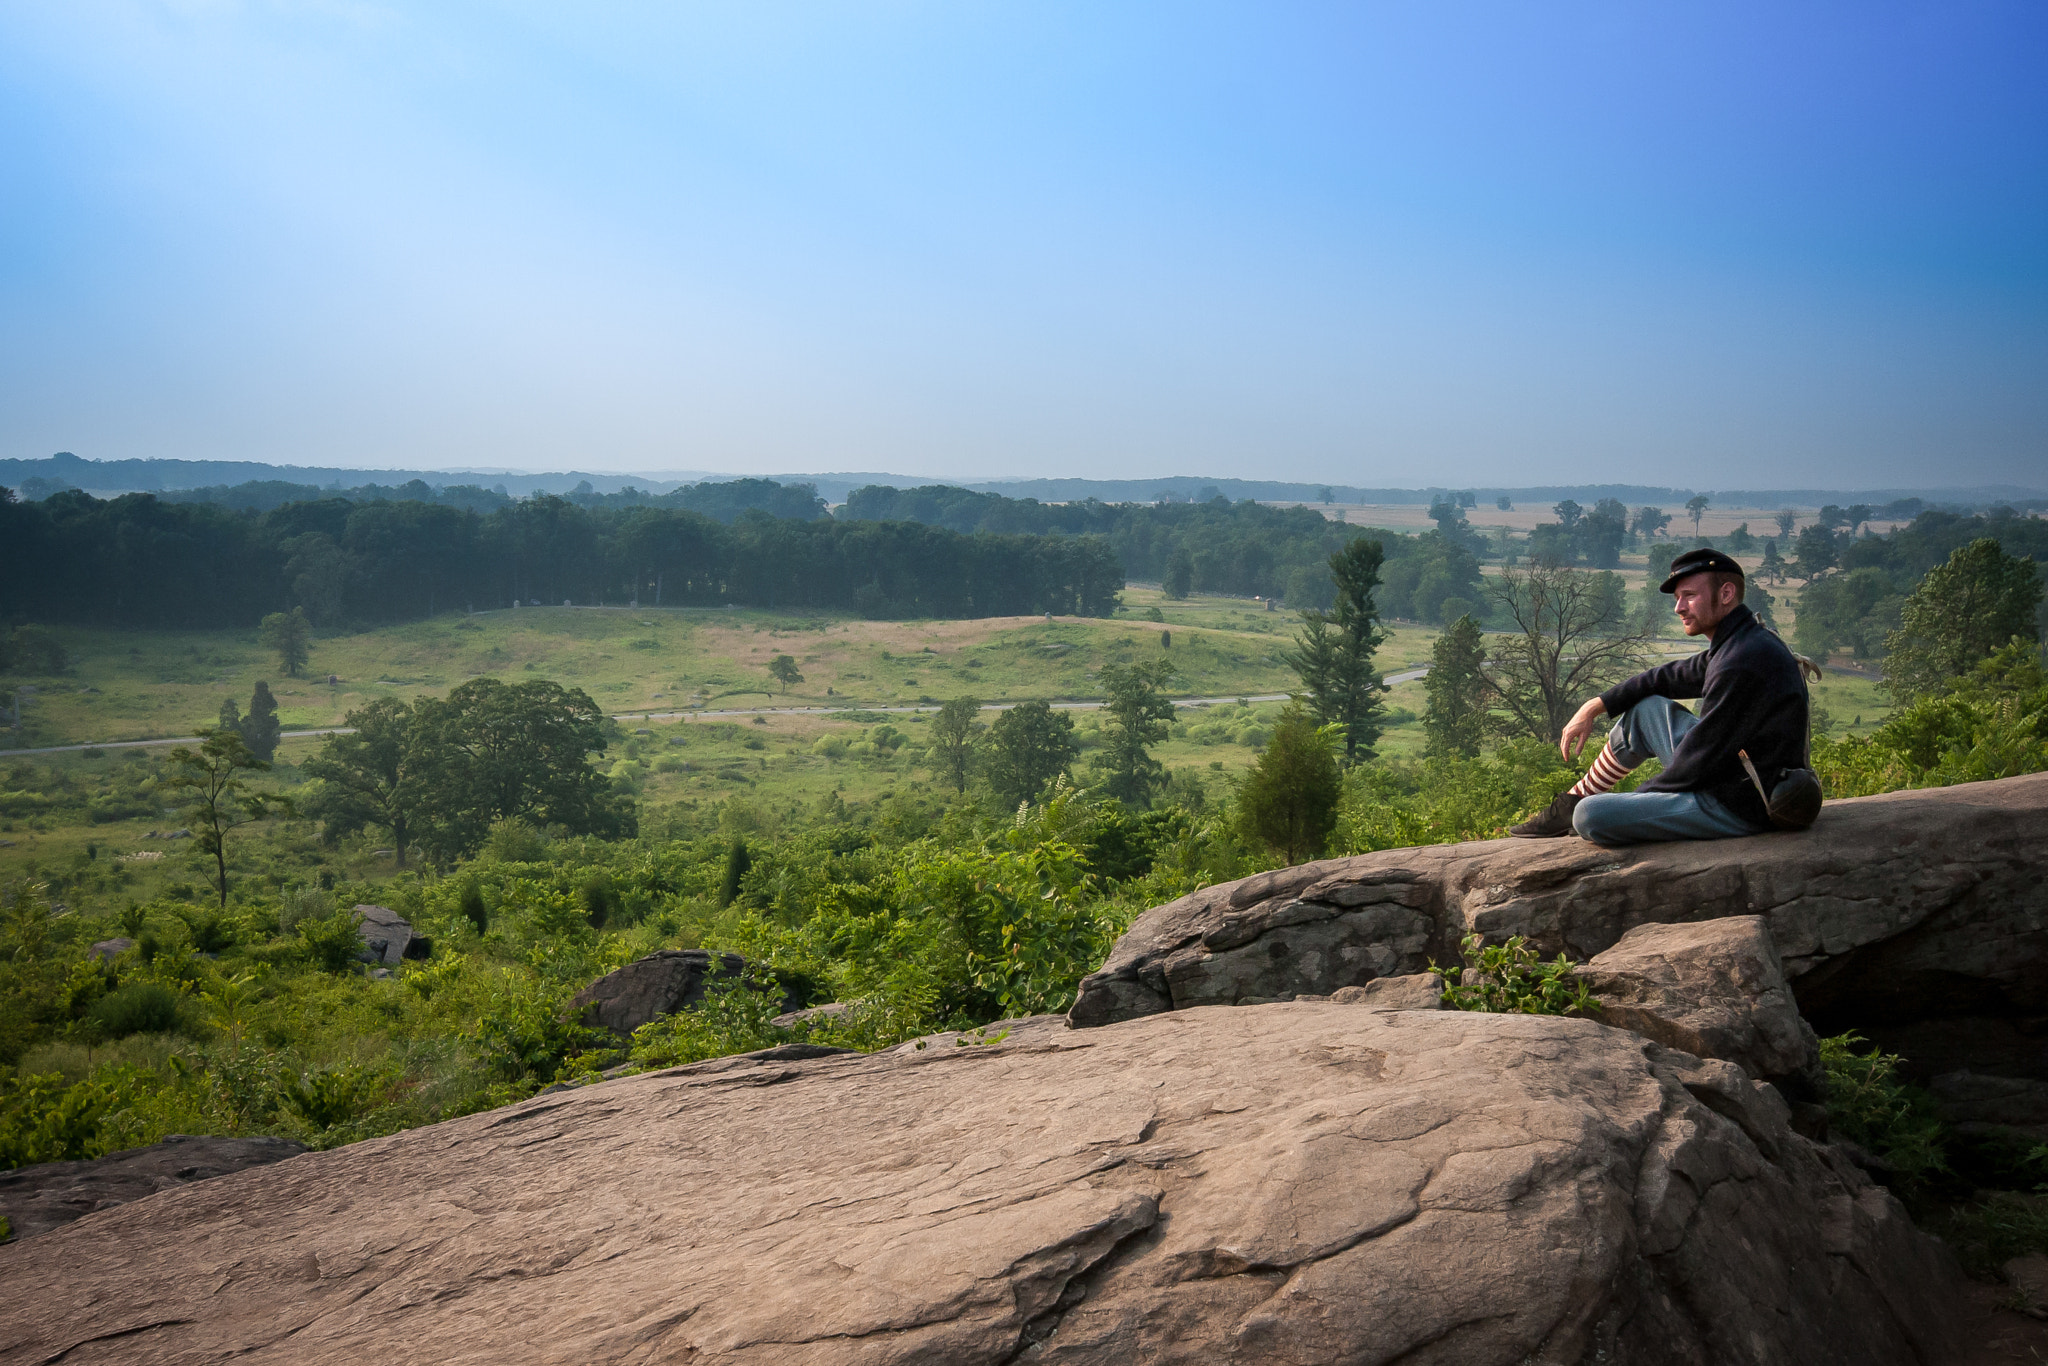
[[1476, 244]]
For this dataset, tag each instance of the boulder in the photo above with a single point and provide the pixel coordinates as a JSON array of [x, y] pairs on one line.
[[47, 1196], [1713, 989], [386, 935], [646, 989], [1300, 1182], [110, 948], [1917, 918]]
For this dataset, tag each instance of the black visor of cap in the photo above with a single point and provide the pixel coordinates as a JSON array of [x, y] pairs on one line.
[[1699, 562]]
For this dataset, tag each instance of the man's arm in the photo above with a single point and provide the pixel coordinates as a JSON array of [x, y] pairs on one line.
[[1680, 679]]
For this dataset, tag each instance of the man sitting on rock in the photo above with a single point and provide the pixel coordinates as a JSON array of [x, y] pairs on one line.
[[1752, 699]]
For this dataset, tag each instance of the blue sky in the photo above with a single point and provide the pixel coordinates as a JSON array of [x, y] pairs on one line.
[[1714, 244]]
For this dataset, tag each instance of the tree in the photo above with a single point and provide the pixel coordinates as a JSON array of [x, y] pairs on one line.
[[1504, 503], [1651, 521], [1742, 539], [1787, 519], [1028, 746], [371, 777], [1697, 506], [1568, 513], [260, 728], [1858, 514], [288, 633], [1456, 685], [1963, 611], [1772, 566], [1180, 574], [951, 752], [1288, 801], [1573, 638], [1140, 716], [1333, 655], [1326, 495], [1815, 551], [492, 750], [783, 670], [213, 779], [1599, 533]]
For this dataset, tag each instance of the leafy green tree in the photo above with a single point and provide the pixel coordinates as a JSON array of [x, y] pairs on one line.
[[1333, 654], [492, 750], [1568, 513], [1697, 506], [1787, 519], [1027, 747], [1858, 514], [291, 635], [213, 779], [1573, 636], [783, 670], [1180, 574], [1816, 552], [1456, 719], [1288, 801], [1650, 522], [260, 728], [1963, 611], [951, 752], [372, 777], [1140, 716]]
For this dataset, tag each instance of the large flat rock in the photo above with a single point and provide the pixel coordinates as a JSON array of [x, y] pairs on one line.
[[51, 1194], [1897, 908], [1298, 1183]]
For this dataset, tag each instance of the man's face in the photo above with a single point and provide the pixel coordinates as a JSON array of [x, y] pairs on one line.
[[1699, 606]]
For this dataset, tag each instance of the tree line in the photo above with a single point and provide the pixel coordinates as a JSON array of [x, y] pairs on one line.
[[138, 560]]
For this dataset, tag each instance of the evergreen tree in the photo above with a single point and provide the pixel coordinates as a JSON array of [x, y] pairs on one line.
[[1140, 716], [1028, 746], [1457, 692], [951, 752], [1333, 655], [472, 906], [290, 634], [260, 727], [1963, 611], [737, 862], [1288, 801]]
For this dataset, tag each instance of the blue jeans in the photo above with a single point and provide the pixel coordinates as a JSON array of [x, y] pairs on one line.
[[1650, 729]]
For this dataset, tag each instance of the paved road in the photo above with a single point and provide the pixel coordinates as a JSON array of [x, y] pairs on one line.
[[1406, 677]]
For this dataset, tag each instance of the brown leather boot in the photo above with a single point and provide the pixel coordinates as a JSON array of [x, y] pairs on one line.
[[1552, 821]]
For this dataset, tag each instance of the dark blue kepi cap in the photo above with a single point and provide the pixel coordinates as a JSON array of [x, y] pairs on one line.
[[1702, 561]]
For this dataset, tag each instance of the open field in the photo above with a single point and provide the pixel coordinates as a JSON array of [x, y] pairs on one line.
[[136, 685], [1716, 521]]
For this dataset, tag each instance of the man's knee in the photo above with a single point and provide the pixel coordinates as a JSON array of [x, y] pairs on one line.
[[1603, 818], [1648, 730]]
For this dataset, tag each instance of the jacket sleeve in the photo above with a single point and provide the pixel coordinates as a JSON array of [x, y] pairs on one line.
[[1681, 678], [1706, 757]]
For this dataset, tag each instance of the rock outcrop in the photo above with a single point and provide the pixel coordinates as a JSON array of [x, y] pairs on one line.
[[1299, 1182], [646, 989], [1919, 918], [40, 1198], [1713, 989]]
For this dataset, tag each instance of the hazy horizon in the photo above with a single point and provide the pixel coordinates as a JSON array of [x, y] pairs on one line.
[[1478, 245]]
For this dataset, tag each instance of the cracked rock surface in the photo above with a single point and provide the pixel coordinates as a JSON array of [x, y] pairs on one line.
[[1296, 1183]]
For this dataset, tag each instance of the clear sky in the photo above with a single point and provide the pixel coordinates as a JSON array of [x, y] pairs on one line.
[[1717, 244]]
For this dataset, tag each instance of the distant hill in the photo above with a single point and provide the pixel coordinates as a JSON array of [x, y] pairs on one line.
[[212, 479]]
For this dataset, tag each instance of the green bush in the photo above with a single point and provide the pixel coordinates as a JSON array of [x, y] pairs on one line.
[[1869, 1105], [138, 1008], [332, 941], [1504, 979], [333, 1096]]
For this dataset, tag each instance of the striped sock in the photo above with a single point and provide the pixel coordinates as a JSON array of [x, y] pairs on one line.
[[1602, 776]]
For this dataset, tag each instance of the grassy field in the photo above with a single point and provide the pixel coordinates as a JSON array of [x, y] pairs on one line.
[[686, 770], [133, 685]]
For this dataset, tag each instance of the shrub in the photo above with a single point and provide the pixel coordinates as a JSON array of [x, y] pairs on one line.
[[333, 1096], [1869, 1105], [138, 1008], [1509, 978], [332, 941]]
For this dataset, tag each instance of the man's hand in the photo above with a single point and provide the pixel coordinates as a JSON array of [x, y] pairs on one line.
[[1579, 728]]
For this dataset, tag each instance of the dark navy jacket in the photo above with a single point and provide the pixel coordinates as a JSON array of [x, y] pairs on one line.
[[1751, 697]]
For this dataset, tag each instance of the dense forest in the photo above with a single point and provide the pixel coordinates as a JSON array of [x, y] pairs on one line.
[[1242, 548], [138, 560]]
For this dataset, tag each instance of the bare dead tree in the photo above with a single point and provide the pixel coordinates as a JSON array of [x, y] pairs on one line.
[[1574, 636]]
